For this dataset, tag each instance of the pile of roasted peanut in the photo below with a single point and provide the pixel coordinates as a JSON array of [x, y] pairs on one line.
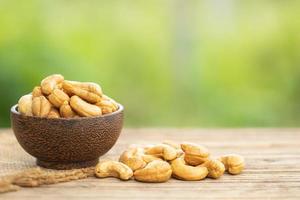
[[157, 163], [56, 97]]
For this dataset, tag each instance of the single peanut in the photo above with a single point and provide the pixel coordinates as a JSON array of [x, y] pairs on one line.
[[83, 108], [25, 105], [49, 83], [58, 97], [41, 106], [66, 111]]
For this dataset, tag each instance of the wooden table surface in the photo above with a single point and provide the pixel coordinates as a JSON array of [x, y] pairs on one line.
[[272, 168]]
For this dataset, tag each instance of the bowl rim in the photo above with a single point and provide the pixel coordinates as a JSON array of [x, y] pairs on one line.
[[14, 111]]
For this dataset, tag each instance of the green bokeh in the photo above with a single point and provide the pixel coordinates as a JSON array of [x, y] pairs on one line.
[[169, 62]]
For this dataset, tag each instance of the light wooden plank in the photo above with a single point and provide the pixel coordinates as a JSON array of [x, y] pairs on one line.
[[272, 172]]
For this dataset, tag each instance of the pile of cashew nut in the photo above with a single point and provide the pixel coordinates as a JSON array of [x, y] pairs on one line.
[[157, 163]]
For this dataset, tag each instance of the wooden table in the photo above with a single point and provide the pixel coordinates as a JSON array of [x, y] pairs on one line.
[[272, 168]]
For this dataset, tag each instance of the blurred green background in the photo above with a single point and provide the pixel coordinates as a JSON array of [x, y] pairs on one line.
[[183, 63]]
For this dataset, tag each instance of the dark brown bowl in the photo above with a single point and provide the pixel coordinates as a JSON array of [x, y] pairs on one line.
[[67, 143]]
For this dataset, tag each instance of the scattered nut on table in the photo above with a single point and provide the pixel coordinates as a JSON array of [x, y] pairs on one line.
[[157, 163], [133, 158], [215, 168], [194, 154], [56, 97], [156, 171], [233, 163], [165, 151], [113, 169], [186, 172]]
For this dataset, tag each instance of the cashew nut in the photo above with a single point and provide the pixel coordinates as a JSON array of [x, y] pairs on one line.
[[41, 106], [113, 169], [185, 172], [25, 105], [58, 97], [233, 163], [105, 97], [194, 154], [165, 151], [107, 106], [194, 160], [88, 86], [175, 146], [83, 108], [53, 113], [215, 168], [156, 171], [133, 158], [86, 91], [150, 158], [37, 91], [49, 83], [66, 111]]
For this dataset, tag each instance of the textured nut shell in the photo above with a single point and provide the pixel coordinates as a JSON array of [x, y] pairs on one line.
[[49, 83], [186, 172], [166, 151], [25, 105], [58, 97], [66, 111], [90, 97], [41, 106], [233, 163], [156, 171], [83, 108], [113, 169], [133, 158], [53, 113], [215, 168], [37, 91]]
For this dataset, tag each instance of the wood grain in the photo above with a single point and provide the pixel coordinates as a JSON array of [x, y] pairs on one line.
[[272, 168]]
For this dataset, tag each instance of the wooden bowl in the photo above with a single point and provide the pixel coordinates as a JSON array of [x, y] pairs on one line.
[[67, 143]]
